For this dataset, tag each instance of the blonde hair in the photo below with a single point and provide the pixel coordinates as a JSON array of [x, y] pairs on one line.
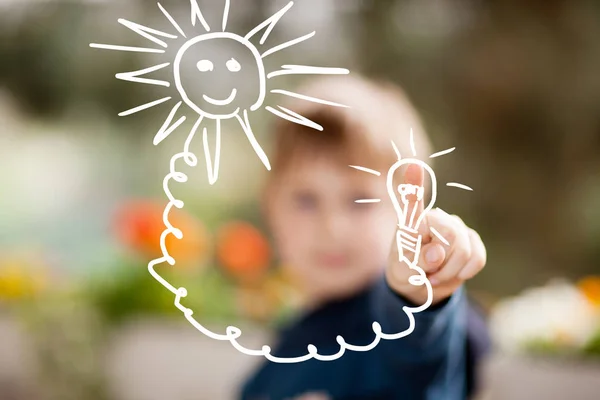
[[361, 134]]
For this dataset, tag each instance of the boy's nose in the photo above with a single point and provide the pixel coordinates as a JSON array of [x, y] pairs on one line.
[[334, 226]]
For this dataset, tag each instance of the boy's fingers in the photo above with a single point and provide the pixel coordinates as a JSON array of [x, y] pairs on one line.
[[478, 257], [423, 229], [440, 227], [459, 253], [432, 257], [414, 175]]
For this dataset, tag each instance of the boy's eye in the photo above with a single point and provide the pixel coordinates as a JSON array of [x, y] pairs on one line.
[[305, 201]]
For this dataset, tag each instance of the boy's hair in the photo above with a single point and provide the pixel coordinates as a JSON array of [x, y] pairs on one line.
[[359, 134]]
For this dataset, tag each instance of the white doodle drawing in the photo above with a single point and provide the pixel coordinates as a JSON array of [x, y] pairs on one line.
[[225, 109], [222, 108], [408, 238], [231, 105]]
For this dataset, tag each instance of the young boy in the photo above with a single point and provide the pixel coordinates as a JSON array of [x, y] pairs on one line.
[[340, 252]]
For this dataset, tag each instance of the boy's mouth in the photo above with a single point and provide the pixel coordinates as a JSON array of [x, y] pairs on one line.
[[334, 260]]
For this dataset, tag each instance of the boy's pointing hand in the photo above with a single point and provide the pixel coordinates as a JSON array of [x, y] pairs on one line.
[[450, 253]]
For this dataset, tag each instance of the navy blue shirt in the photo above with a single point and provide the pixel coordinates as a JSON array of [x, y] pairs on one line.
[[430, 363]]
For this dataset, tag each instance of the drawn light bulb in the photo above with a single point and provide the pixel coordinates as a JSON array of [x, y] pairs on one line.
[[405, 199]]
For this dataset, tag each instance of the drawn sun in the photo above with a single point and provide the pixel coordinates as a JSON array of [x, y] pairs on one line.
[[244, 92]]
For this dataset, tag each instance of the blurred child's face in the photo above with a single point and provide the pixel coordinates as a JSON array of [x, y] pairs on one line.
[[334, 245]]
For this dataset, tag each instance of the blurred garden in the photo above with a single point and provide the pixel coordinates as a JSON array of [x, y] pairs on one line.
[[513, 85]]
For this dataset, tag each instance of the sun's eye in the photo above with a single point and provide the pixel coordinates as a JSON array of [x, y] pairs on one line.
[[205, 65], [233, 65]]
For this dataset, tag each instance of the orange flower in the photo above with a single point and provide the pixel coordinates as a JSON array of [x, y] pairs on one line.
[[139, 225], [590, 287], [243, 251]]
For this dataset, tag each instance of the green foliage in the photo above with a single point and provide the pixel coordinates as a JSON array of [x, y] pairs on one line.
[[592, 348], [132, 291], [550, 348], [545, 348]]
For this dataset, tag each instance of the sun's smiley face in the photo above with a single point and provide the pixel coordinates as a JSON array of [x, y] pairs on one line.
[[228, 75]]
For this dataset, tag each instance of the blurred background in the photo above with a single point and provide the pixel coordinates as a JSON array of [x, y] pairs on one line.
[[514, 85]]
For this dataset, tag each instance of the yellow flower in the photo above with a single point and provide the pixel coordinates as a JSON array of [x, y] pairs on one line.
[[590, 287], [18, 281], [262, 300]]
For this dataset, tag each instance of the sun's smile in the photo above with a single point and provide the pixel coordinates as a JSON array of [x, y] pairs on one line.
[[225, 102]]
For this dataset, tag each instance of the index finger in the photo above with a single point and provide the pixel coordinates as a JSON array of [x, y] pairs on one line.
[[414, 175]]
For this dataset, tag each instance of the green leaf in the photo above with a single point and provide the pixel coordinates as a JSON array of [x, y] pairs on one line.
[[592, 347]]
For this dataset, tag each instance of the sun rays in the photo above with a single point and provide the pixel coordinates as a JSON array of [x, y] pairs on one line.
[[307, 70], [209, 107]]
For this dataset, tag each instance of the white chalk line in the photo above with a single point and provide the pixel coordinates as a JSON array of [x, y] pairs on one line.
[[412, 143], [408, 243], [245, 123], [407, 236], [294, 117], [459, 185], [213, 169], [307, 70], [224, 102], [125, 48], [439, 236], [171, 20], [144, 107], [288, 44], [308, 98], [367, 170], [144, 31], [407, 228], [197, 15], [165, 130], [442, 153], [133, 76], [412, 215], [226, 14], [396, 151], [270, 22]]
